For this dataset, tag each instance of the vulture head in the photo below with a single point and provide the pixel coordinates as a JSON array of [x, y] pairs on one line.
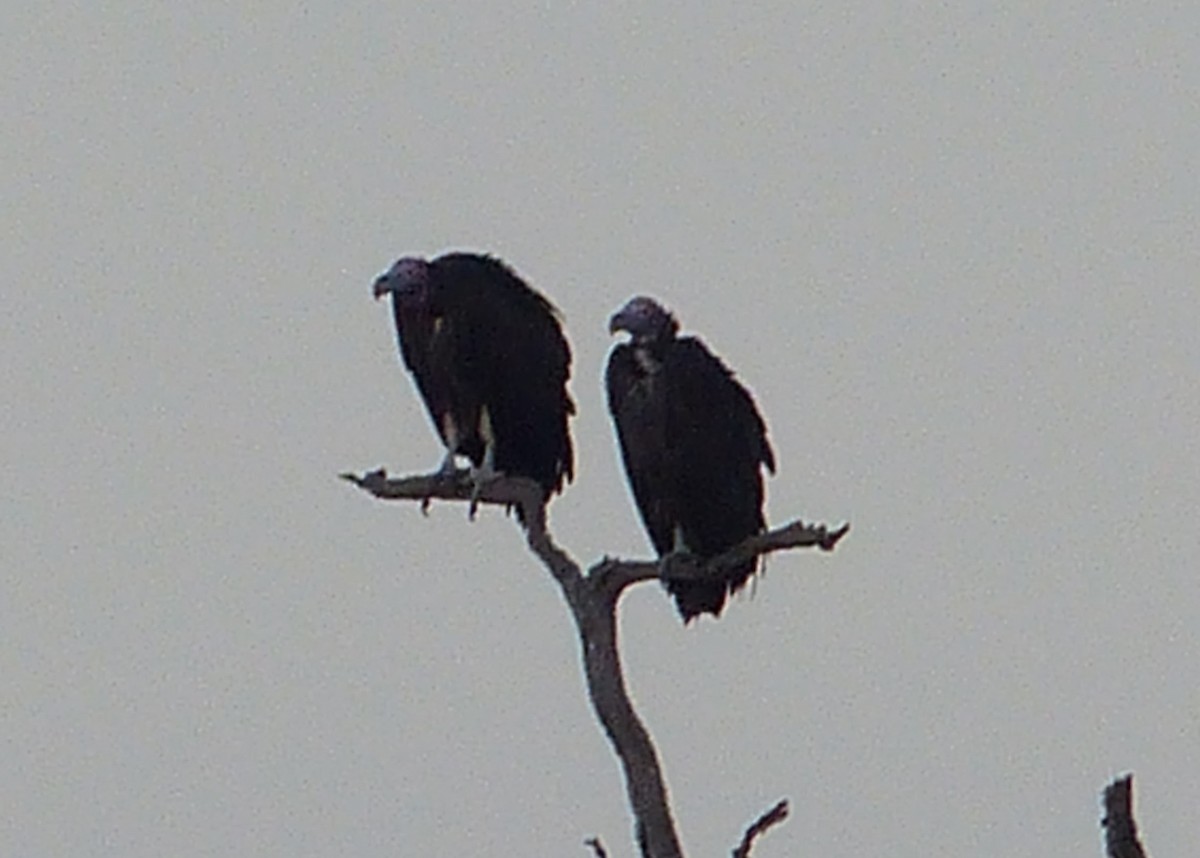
[[409, 280], [645, 320]]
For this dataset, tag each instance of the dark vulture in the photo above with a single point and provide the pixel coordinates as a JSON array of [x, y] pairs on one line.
[[491, 362], [692, 441]]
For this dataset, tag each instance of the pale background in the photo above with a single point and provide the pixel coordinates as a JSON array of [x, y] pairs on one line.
[[951, 248]]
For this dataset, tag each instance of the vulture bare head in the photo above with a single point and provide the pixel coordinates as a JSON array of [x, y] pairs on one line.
[[408, 280], [645, 320]]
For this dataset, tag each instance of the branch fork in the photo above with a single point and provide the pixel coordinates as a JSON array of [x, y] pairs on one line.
[[592, 598]]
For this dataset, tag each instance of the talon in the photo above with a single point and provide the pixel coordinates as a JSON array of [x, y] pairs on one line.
[[476, 491], [425, 507], [479, 477]]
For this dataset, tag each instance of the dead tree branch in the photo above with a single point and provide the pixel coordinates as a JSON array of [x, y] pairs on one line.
[[773, 816], [592, 598], [1120, 831], [797, 534]]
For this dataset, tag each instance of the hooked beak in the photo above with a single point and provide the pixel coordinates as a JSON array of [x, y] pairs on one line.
[[382, 286], [617, 322]]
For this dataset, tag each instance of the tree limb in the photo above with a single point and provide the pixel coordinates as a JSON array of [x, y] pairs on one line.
[[595, 620], [595, 612], [773, 816], [522, 492], [503, 491], [675, 567], [592, 599], [1120, 831]]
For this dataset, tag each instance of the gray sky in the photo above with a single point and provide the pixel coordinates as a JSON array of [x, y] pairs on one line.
[[952, 250]]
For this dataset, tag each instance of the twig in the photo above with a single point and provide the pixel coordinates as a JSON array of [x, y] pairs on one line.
[[1120, 831], [774, 816]]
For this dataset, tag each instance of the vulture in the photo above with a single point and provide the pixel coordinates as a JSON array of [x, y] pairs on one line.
[[490, 361], [692, 442]]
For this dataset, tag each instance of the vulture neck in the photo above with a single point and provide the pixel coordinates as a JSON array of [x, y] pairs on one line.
[[649, 352]]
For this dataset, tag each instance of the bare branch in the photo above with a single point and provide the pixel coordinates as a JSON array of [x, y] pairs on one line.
[[593, 602], [612, 574], [774, 816], [501, 491], [594, 611], [1120, 831], [537, 536], [596, 846], [797, 534]]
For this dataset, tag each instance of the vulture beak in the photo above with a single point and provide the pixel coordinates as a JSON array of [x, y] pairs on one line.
[[617, 322], [382, 286]]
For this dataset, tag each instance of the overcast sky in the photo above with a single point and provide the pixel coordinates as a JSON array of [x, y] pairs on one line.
[[952, 249]]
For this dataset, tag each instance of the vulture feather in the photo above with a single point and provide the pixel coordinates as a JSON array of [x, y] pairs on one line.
[[491, 363], [692, 442]]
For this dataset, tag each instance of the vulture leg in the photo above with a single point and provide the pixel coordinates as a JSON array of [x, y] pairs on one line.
[[480, 477], [447, 471]]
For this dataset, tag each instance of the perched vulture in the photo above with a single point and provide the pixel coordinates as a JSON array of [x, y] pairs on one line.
[[491, 362], [692, 441]]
